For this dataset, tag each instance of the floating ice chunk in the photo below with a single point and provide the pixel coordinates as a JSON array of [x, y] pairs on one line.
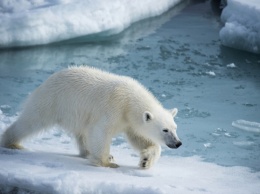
[[243, 143], [231, 135], [227, 134], [231, 65], [25, 22], [211, 73], [241, 32], [215, 134], [207, 64], [207, 145], [247, 125], [5, 107]]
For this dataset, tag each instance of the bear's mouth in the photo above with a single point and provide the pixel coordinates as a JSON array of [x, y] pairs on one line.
[[175, 145]]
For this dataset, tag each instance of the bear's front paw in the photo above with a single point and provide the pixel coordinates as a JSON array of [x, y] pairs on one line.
[[111, 159], [15, 146], [149, 156], [145, 163], [113, 165], [105, 163]]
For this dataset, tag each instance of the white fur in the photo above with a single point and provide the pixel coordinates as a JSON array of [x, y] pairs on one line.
[[95, 106]]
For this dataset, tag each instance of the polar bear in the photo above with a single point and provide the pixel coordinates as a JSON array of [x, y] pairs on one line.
[[95, 106]]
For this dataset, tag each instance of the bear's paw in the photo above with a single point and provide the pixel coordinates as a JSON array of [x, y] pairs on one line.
[[113, 165], [15, 146], [111, 159], [147, 159]]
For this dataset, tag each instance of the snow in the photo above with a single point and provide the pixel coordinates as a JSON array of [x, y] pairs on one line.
[[51, 165], [242, 25], [38, 22]]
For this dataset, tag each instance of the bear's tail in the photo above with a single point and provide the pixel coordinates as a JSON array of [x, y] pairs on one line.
[[10, 138]]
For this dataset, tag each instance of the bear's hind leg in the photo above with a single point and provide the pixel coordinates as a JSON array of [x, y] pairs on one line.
[[99, 155], [82, 144], [99, 146], [83, 150], [10, 138], [19, 130]]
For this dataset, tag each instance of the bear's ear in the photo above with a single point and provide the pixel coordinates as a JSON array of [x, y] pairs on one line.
[[174, 112], [147, 116]]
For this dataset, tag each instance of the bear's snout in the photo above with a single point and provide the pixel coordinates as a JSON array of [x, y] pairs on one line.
[[174, 145], [178, 144], [171, 139]]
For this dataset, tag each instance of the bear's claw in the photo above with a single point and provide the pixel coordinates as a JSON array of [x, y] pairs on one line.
[[111, 158], [145, 163], [148, 157], [113, 165], [15, 146]]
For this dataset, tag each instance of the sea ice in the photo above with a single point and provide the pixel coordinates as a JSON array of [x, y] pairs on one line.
[[26, 23], [211, 73], [247, 125], [231, 65], [242, 25]]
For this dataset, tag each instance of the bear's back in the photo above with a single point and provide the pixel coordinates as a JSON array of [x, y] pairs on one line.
[[87, 84]]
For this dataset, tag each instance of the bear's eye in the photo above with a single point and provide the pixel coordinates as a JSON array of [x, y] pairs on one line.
[[165, 130]]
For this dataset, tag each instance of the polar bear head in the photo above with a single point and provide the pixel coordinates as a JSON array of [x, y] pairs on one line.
[[160, 127]]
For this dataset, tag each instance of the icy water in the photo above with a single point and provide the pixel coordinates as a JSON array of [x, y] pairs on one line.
[[178, 56]]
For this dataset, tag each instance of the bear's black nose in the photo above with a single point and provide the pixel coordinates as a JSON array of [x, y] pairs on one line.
[[178, 144]]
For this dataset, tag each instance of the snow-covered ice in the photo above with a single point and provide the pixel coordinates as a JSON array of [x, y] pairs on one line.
[[242, 25], [51, 165], [25, 23], [41, 172], [38, 22]]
